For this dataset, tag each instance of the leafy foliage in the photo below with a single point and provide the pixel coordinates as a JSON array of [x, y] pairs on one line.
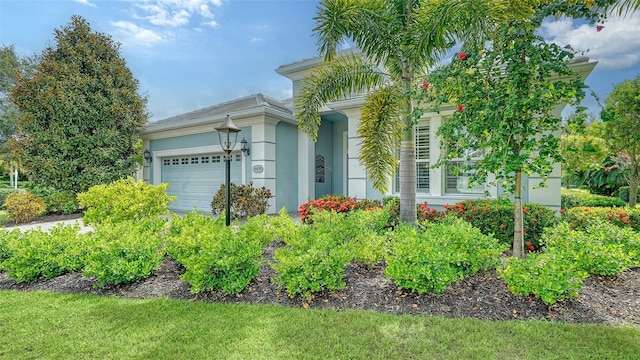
[[34, 254], [23, 207], [575, 197], [581, 153], [80, 112], [63, 202], [124, 199], [582, 217], [315, 255], [623, 194], [622, 115], [495, 217], [246, 201], [430, 260], [549, 277], [125, 251], [218, 257]]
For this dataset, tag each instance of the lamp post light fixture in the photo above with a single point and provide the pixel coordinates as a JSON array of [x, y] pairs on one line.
[[228, 135], [244, 147], [147, 155]]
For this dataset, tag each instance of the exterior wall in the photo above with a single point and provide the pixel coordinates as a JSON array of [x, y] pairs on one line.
[[286, 167]]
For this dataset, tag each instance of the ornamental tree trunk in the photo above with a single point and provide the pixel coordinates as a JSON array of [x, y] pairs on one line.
[[518, 236]]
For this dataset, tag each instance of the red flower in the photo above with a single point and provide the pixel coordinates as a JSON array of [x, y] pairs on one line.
[[462, 56], [531, 248], [425, 85], [460, 108], [599, 28]]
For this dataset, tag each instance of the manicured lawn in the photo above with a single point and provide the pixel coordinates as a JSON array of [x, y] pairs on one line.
[[56, 326]]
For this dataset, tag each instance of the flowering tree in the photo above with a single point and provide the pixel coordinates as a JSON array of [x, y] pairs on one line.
[[505, 97], [622, 116]]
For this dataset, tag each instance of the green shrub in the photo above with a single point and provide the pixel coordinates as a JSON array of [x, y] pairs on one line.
[[24, 207], [315, 256], [367, 240], [430, 260], [63, 202], [601, 249], [246, 201], [623, 194], [123, 200], [549, 277], [4, 192], [218, 257], [36, 254], [570, 198], [125, 251], [495, 217], [7, 238], [582, 217], [41, 190]]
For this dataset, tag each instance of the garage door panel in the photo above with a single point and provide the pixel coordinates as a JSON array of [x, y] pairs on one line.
[[195, 178]]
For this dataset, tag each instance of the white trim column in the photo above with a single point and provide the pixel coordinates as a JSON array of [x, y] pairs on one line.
[[306, 168], [263, 159]]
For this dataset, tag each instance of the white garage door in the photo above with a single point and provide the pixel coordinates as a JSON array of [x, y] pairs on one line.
[[195, 178]]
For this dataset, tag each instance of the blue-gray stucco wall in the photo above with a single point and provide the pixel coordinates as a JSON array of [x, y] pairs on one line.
[[286, 167]]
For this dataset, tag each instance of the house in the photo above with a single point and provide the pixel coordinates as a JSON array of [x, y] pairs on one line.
[[185, 152]]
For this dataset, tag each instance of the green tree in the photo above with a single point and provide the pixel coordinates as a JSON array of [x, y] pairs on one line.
[[505, 96], [397, 41], [622, 117], [11, 67], [80, 112], [581, 153]]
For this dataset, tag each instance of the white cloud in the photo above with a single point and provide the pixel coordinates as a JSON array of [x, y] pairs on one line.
[[129, 33], [255, 40], [85, 2], [175, 13], [615, 47]]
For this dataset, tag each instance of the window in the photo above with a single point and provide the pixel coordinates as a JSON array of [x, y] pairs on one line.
[[195, 160], [215, 159], [423, 153], [422, 158], [457, 178], [238, 157], [185, 161], [175, 161], [204, 159], [166, 162]]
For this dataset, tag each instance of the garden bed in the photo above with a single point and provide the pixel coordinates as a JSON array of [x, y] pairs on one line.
[[602, 300]]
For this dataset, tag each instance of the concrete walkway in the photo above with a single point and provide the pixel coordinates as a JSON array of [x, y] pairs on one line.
[[47, 226]]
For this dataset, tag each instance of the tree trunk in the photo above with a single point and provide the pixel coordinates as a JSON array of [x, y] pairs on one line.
[[518, 236], [408, 181], [633, 182]]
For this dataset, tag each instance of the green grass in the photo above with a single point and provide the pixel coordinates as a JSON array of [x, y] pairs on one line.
[[57, 326]]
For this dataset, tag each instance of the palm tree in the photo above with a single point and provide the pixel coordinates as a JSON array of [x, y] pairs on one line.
[[397, 41]]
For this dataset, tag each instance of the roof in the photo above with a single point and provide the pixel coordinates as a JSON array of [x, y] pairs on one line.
[[245, 105]]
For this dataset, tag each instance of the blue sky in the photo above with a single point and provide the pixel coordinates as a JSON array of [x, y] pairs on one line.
[[189, 54]]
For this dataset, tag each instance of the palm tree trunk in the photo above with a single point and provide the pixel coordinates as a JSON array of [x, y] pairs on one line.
[[518, 236], [408, 181]]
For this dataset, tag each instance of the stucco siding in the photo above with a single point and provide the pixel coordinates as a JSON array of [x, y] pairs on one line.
[[286, 167]]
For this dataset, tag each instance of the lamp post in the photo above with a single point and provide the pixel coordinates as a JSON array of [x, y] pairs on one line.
[[228, 135]]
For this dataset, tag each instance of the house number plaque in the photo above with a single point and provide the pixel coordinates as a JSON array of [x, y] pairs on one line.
[[258, 168]]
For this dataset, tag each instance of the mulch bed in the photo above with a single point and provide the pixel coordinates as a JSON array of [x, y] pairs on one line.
[[603, 300]]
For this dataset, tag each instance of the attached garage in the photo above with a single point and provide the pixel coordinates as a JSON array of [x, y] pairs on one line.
[[194, 179]]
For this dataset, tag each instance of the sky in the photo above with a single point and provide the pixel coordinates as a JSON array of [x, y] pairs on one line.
[[190, 54]]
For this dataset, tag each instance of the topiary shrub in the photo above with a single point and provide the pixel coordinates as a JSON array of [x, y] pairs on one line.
[[34, 254], [578, 197], [63, 202], [246, 201], [24, 207], [125, 199], [495, 217], [582, 217], [432, 258], [126, 251], [218, 257]]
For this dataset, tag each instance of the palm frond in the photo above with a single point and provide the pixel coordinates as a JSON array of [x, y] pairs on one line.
[[381, 131], [345, 76]]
